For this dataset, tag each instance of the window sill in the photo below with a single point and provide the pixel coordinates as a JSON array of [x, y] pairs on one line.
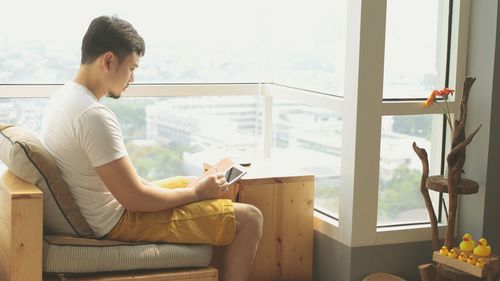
[[384, 236], [326, 225], [406, 234]]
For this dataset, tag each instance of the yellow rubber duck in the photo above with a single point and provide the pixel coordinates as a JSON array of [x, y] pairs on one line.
[[467, 243], [482, 249], [471, 260], [453, 253], [462, 257], [443, 251], [480, 263]]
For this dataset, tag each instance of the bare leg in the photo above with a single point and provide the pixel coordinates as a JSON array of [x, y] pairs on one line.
[[235, 260]]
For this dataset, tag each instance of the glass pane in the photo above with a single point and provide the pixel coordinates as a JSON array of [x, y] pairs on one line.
[[22, 112], [400, 200], [309, 139], [308, 44], [415, 47], [186, 41], [168, 136], [172, 136]]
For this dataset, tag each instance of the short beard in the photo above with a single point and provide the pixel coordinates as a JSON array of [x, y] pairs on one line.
[[114, 95]]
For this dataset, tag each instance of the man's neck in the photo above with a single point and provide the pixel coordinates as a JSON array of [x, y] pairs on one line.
[[88, 78]]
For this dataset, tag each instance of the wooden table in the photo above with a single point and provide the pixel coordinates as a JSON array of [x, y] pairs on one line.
[[286, 200]]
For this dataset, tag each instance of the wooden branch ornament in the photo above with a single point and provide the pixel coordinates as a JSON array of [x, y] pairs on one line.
[[456, 160], [422, 154]]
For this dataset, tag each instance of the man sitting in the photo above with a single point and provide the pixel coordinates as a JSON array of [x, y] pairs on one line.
[[86, 141]]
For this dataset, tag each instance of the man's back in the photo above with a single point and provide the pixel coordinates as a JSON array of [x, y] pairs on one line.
[[82, 134]]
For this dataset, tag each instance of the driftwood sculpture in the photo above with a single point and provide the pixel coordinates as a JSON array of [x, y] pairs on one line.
[[422, 154], [456, 161], [455, 185]]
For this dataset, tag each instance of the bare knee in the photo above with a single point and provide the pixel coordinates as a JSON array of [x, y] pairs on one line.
[[249, 219]]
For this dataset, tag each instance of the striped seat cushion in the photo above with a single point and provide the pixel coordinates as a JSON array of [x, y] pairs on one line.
[[26, 157], [81, 255]]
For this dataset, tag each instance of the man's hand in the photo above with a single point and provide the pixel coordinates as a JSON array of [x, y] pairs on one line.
[[210, 186]]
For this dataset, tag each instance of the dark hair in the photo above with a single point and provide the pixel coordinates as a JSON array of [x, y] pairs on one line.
[[111, 34]]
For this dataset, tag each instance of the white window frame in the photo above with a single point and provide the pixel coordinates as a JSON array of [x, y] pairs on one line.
[[362, 109]]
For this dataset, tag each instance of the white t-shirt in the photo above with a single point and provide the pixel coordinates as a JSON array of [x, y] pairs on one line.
[[81, 134]]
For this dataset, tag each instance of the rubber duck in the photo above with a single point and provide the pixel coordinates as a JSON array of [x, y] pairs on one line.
[[471, 260], [443, 251], [482, 249], [462, 257], [453, 253], [467, 243], [480, 263]]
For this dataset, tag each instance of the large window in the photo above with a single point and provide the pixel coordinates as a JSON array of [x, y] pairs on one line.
[[299, 82], [190, 41]]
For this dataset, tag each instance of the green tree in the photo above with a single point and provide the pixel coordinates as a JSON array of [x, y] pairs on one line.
[[131, 113], [155, 161], [400, 193]]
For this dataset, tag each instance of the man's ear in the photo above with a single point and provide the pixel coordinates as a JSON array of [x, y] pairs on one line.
[[107, 58]]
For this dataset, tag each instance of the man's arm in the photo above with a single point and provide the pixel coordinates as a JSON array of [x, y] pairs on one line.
[[120, 178]]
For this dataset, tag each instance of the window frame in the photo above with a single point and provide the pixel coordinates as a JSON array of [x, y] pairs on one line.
[[357, 225]]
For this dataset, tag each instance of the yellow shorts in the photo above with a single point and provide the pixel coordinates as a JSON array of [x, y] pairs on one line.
[[204, 222]]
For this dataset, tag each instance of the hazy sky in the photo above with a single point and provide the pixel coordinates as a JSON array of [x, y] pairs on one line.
[[287, 33]]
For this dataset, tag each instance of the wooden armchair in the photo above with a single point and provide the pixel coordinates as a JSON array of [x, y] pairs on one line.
[[44, 237], [21, 242]]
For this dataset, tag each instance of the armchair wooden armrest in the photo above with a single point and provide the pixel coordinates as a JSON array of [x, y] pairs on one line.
[[21, 229]]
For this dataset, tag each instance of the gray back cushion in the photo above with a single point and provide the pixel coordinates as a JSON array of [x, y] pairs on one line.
[[25, 156]]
